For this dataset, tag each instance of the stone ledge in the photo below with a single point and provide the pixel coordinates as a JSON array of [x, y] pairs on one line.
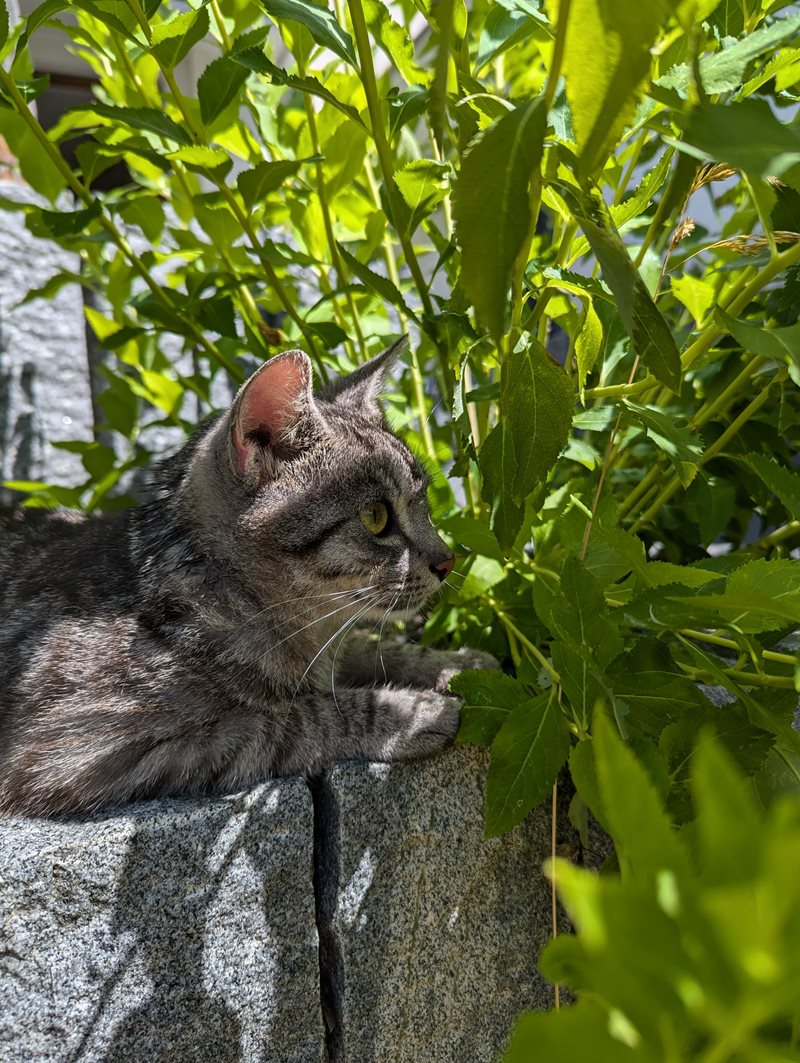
[[363, 920], [174, 931]]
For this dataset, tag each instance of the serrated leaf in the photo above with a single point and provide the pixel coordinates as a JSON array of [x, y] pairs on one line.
[[695, 293], [651, 686], [588, 343], [4, 23], [148, 213], [536, 406], [725, 69], [782, 344], [643, 835], [174, 39], [319, 21], [489, 696], [218, 86], [782, 482], [506, 25], [201, 159], [527, 755], [147, 119], [266, 177], [682, 446], [580, 615], [491, 207], [484, 572], [606, 58], [396, 41], [423, 185], [254, 59], [472, 533], [727, 820], [382, 286], [650, 335], [63, 223]]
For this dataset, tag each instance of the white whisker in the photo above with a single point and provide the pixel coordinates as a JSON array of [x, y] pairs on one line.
[[348, 625], [319, 620], [306, 598]]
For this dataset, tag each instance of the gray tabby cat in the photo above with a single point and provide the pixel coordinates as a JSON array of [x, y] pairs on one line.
[[190, 646]]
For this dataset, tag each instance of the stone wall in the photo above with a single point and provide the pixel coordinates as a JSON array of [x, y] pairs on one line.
[[362, 918]]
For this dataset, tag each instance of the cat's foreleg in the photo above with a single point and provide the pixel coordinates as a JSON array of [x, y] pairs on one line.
[[367, 663], [375, 723]]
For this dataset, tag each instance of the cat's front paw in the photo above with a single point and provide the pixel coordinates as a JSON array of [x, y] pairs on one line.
[[430, 726], [463, 659]]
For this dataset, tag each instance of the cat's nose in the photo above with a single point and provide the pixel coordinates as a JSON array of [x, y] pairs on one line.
[[443, 568]]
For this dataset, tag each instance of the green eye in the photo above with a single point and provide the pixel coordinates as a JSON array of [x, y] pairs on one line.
[[374, 517]]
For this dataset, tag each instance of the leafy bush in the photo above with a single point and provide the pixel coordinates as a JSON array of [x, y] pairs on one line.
[[587, 215]]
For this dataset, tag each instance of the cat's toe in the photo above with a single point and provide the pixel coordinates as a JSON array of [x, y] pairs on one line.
[[462, 661]]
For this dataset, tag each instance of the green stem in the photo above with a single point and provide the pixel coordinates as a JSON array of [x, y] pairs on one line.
[[729, 644], [747, 679], [787, 531], [336, 258], [216, 11], [364, 49], [534, 650]]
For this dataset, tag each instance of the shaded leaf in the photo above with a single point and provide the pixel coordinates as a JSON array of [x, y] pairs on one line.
[[147, 119], [489, 696], [782, 482], [527, 755], [682, 446], [174, 39]]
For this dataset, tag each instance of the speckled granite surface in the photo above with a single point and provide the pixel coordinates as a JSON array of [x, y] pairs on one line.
[[174, 931]]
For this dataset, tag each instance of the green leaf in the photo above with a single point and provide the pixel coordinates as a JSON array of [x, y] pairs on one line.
[[710, 502], [580, 615], [782, 344], [696, 294], [606, 58], [782, 482], [256, 184], [527, 755], [472, 533], [148, 213], [174, 39], [682, 446], [423, 185], [771, 584], [396, 41], [202, 159], [218, 86], [536, 407], [382, 286], [746, 135], [642, 833], [254, 59], [588, 343], [489, 696], [491, 206], [484, 572], [650, 335], [506, 25], [147, 119], [727, 820], [63, 223], [37, 169], [725, 70], [654, 690], [319, 22], [3, 23]]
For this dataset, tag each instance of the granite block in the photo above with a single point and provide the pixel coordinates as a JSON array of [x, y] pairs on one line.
[[171, 931], [433, 934]]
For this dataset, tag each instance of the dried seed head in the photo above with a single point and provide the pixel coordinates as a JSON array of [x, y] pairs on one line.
[[684, 229], [712, 171]]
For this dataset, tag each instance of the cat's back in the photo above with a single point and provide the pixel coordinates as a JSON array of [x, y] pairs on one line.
[[61, 560]]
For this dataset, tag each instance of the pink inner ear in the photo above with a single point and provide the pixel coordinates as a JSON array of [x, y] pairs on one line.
[[270, 403]]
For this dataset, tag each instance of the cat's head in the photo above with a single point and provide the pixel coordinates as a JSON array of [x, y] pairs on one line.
[[316, 491]]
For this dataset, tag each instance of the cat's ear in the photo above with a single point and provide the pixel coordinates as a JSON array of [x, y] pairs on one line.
[[361, 389], [273, 417]]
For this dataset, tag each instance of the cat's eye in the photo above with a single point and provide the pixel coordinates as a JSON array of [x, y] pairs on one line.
[[374, 517]]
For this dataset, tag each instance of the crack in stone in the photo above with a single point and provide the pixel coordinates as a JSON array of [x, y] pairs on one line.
[[326, 886]]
